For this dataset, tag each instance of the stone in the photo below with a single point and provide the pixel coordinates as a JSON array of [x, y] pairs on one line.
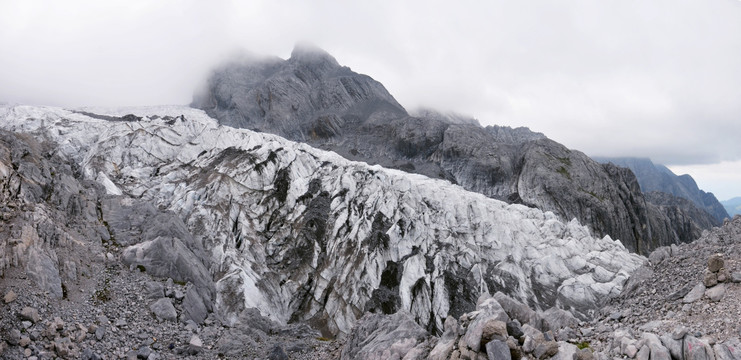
[[736, 276], [716, 293], [99, 332], [58, 323], [631, 350], [14, 336], [723, 275], [695, 294], [195, 345], [644, 353], [88, 354], [445, 345], [10, 296], [565, 334], [672, 344], [728, 350], [546, 349], [528, 345], [710, 279], [24, 341], [43, 272], [154, 290], [277, 353], [679, 332], [498, 350], [193, 306], [30, 314], [493, 329], [566, 351], [558, 319], [514, 329], [379, 336], [659, 255], [516, 310], [164, 309], [657, 349], [143, 352], [694, 349], [715, 263], [584, 354]]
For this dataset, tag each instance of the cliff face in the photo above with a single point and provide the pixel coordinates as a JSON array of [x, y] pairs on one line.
[[311, 98], [659, 178]]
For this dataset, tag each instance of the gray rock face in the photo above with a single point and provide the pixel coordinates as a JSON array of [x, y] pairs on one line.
[[658, 178], [685, 219], [384, 337], [311, 98]]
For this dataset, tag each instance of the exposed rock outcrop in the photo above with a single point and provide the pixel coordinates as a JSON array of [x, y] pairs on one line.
[[658, 178], [311, 98]]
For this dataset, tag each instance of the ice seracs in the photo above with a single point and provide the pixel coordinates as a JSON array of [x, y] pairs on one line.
[[303, 234]]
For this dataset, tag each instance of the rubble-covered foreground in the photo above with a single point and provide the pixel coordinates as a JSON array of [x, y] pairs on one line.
[[683, 304]]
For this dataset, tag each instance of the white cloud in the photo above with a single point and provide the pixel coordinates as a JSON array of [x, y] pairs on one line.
[[657, 78]]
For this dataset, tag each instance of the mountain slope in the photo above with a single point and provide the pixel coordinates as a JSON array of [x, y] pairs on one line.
[[302, 234], [654, 177], [733, 206], [311, 98]]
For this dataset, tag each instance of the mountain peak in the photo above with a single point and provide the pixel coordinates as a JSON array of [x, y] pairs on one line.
[[305, 52]]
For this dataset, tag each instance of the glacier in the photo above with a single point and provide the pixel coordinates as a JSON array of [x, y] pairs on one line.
[[303, 234]]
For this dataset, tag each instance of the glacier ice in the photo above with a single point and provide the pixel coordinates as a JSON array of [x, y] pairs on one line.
[[303, 234]]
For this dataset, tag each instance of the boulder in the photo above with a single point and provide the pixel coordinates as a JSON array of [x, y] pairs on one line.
[[715, 263], [445, 345], [546, 349], [379, 336], [695, 294], [716, 293], [30, 314], [164, 309], [673, 345], [557, 319], [10, 296], [44, 273], [498, 350], [710, 279], [193, 307], [154, 290], [657, 349], [695, 349]]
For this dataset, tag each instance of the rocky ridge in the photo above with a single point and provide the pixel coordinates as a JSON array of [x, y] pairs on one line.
[[658, 178], [313, 99], [733, 206]]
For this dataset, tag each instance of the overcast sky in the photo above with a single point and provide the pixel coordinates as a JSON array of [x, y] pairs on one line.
[[649, 78]]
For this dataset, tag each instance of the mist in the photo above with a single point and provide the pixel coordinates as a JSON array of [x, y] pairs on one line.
[[656, 79]]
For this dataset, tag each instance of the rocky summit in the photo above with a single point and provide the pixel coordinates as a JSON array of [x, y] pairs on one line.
[[311, 98]]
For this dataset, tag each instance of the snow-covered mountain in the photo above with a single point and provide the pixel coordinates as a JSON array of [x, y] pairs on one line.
[[304, 234]]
